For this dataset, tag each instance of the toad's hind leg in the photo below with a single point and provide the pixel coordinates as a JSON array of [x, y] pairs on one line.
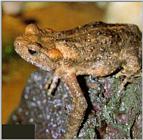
[[131, 66], [79, 106]]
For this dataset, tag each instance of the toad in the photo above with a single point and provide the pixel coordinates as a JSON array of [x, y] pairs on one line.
[[98, 49]]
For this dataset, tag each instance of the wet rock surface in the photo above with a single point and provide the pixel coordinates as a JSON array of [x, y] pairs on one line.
[[110, 115]]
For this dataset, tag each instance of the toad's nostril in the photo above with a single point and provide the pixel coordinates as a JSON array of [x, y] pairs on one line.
[[17, 43]]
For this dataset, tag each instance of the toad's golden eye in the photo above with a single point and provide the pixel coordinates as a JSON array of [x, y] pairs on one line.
[[32, 52], [34, 49]]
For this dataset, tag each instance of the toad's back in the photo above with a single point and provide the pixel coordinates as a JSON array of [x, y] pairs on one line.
[[99, 40]]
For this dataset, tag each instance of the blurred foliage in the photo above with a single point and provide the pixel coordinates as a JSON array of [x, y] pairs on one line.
[[8, 51]]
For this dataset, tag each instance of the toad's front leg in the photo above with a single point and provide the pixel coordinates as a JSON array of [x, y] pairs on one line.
[[79, 105]]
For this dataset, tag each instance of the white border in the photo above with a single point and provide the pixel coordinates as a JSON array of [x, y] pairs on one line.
[[55, 1], [142, 68], [74, 0], [1, 70]]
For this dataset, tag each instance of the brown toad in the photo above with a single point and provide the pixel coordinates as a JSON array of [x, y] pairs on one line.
[[97, 49]]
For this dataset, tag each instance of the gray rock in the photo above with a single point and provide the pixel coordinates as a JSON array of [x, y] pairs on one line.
[[109, 114]]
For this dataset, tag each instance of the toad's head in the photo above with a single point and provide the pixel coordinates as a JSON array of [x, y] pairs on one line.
[[37, 47]]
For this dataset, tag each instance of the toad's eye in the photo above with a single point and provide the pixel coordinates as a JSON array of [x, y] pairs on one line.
[[32, 52], [34, 49]]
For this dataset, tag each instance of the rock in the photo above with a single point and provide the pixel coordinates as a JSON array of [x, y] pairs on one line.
[[48, 113], [109, 113]]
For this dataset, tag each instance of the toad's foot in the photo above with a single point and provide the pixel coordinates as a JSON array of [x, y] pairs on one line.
[[127, 79], [123, 84], [48, 83], [51, 85]]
